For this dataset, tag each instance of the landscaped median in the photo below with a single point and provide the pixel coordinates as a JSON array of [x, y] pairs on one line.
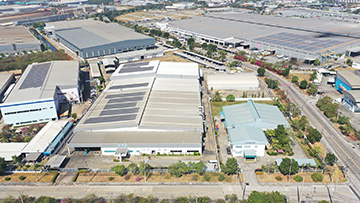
[[112, 177], [43, 177]]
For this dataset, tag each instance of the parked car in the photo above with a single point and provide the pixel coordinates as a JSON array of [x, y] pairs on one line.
[[228, 150]]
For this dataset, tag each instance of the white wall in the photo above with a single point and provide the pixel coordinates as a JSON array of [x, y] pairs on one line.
[[71, 94], [238, 150], [29, 112], [150, 150]]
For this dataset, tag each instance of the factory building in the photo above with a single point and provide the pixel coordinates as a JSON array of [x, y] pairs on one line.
[[297, 38], [89, 38], [42, 88], [16, 39], [245, 124], [147, 108], [242, 81]]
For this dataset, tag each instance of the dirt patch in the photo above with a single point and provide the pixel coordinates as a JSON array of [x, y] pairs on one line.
[[168, 58], [44, 177]]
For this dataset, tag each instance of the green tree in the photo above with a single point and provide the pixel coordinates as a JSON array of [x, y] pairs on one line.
[[212, 47], [285, 72], [314, 135], [178, 169], [288, 166], [217, 97], [343, 120], [199, 167], [133, 167], [261, 71], [331, 110], [44, 199], [230, 98], [204, 45], [317, 62], [303, 84], [313, 89], [231, 198], [272, 83], [295, 79], [330, 159], [230, 166], [323, 103], [16, 160], [3, 165], [119, 169], [349, 62], [144, 169], [166, 35], [313, 76]]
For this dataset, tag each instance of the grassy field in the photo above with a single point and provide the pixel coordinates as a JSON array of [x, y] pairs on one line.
[[45, 177], [216, 107]]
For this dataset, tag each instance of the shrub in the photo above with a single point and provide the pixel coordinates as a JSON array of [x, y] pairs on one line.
[[230, 98], [317, 177], [138, 178], [278, 178], [76, 176], [207, 177], [22, 177], [54, 177], [116, 160], [167, 176], [272, 153], [119, 169], [111, 178], [127, 177], [195, 177], [298, 178], [291, 153], [7, 178], [221, 178]]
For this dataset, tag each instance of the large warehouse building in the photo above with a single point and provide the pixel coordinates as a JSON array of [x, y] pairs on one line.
[[89, 38], [6, 79], [245, 124], [305, 39], [242, 81], [37, 95], [16, 39], [148, 107]]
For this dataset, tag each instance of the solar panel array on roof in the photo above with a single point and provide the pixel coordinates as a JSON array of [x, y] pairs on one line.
[[122, 105], [119, 100], [136, 69], [119, 111], [110, 119], [129, 86], [136, 64], [125, 95], [36, 76], [300, 42]]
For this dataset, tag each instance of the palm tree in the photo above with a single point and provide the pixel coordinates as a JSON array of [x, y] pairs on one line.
[[217, 97]]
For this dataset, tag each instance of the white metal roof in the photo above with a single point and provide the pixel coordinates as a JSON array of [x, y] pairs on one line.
[[242, 79], [44, 137], [7, 150], [56, 73], [179, 70]]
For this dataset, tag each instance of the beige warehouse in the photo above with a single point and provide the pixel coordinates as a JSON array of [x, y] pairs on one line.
[[224, 81]]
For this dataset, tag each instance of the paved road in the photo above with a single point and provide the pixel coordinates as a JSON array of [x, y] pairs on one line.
[[333, 139], [321, 192]]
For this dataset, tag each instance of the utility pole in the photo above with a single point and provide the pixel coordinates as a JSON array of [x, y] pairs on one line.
[[290, 170]]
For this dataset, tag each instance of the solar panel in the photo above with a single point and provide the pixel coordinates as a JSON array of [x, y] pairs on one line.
[[125, 95], [129, 86], [120, 111], [120, 100], [110, 119], [36, 76], [121, 105], [135, 69]]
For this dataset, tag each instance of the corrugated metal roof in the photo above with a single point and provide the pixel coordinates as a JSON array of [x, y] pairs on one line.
[[247, 135], [7, 150]]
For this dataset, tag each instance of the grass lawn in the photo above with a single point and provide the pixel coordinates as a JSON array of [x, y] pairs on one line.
[[45, 177], [270, 178], [216, 107], [154, 177]]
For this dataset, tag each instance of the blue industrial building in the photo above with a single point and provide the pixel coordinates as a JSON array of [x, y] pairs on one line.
[[245, 124], [347, 80]]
